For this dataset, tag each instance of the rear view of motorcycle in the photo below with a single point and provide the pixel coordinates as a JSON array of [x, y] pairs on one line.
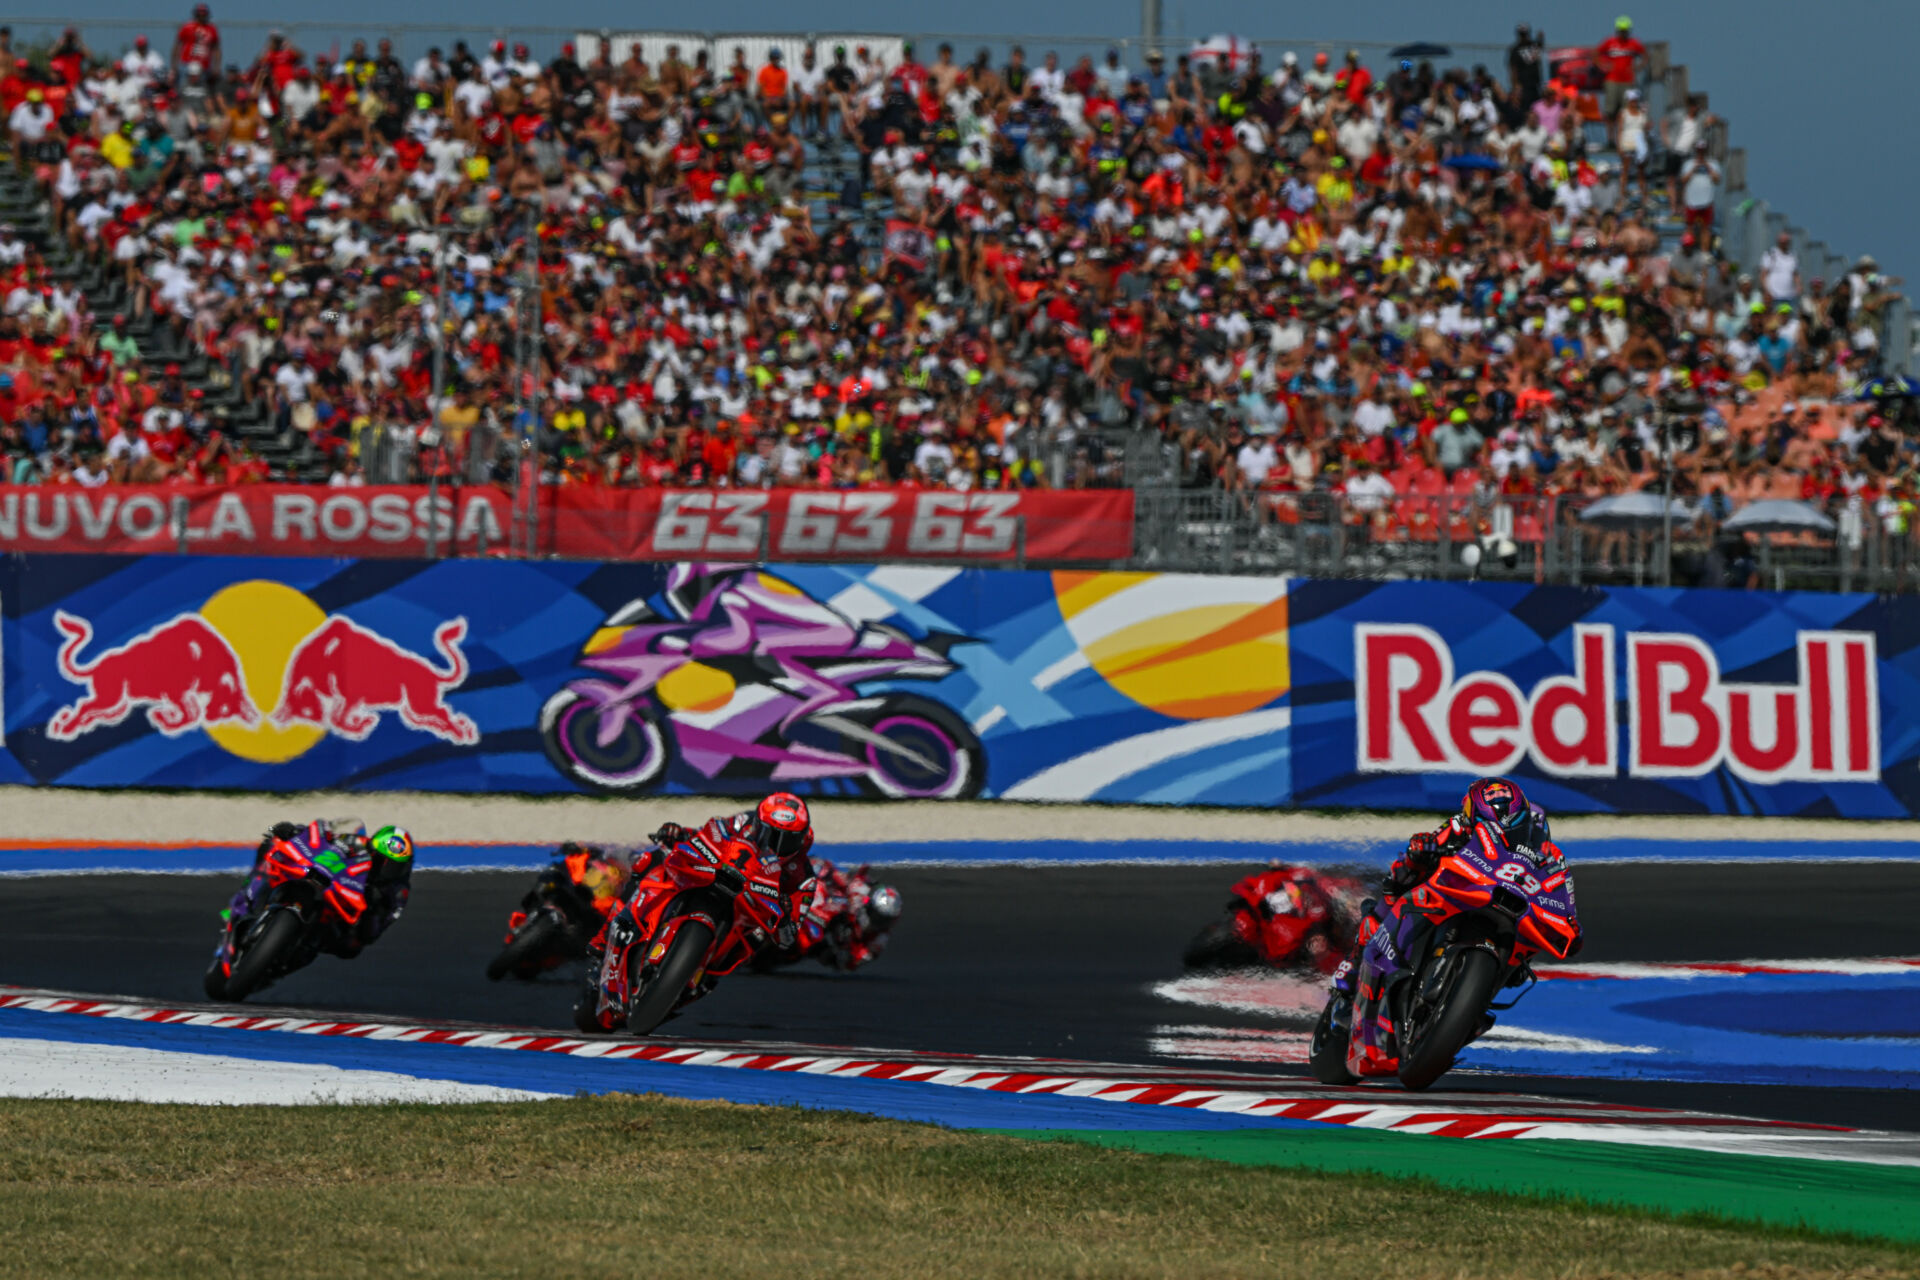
[[1479, 922]]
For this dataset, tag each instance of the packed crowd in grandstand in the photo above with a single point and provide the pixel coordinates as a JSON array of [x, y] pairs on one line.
[[1292, 274]]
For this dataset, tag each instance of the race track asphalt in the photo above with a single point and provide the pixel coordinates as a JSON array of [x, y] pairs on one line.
[[1050, 962]]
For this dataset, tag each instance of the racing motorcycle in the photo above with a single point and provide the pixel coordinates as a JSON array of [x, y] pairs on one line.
[[311, 898], [1487, 914], [562, 916], [699, 910], [1285, 916], [846, 925], [744, 678]]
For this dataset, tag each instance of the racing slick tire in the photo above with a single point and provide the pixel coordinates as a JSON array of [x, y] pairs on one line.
[[536, 937], [1327, 1054], [254, 967], [1219, 946], [670, 981], [1429, 1048]]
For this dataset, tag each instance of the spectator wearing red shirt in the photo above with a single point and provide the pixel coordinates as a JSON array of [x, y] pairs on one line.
[[1354, 80], [1619, 56], [196, 48]]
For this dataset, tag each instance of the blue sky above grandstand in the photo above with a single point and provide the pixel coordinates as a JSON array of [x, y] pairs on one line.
[[1821, 97]]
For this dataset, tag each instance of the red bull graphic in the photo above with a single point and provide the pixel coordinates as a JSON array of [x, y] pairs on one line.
[[344, 675], [265, 673], [182, 671]]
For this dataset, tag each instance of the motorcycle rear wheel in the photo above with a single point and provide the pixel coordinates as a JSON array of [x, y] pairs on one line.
[[1327, 1056], [254, 967], [1429, 1049], [677, 967], [1219, 946], [536, 937]]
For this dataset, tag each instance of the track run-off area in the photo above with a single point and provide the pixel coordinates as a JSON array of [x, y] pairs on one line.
[[1745, 1016]]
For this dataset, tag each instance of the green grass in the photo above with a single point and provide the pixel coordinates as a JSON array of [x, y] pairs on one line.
[[653, 1187]]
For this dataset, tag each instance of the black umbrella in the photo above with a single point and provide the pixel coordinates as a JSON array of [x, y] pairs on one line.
[[1420, 49]]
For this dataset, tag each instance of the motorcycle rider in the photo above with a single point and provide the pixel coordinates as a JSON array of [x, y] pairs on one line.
[[779, 827], [850, 914], [387, 883], [1387, 935]]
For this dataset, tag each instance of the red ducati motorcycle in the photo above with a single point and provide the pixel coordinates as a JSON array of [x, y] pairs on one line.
[[1284, 917], [699, 910]]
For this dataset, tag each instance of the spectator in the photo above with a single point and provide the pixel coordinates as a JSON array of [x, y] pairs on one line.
[[196, 48], [1620, 57], [1780, 271], [1699, 189]]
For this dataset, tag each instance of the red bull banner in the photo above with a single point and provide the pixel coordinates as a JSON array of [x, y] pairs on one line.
[[1626, 700], [577, 523]]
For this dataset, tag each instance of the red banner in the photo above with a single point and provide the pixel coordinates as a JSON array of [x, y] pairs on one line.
[[832, 524], [587, 524]]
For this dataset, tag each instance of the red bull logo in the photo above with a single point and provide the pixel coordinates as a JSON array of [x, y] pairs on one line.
[[183, 672], [344, 675], [265, 673]]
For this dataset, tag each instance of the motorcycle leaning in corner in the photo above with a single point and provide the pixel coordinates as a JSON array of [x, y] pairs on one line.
[[564, 915], [849, 922], [1489, 909], [699, 909]]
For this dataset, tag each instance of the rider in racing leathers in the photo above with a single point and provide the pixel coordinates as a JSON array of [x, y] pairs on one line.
[[388, 882], [850, 916], [780, 828], [1387, 937]]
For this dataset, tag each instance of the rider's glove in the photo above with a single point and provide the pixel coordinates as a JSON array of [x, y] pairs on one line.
[[669, 833]]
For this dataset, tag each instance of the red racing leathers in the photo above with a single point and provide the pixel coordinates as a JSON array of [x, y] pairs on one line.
[[796, 869]]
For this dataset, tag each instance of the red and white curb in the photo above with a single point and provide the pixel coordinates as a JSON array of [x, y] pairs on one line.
[[1446, 1115]]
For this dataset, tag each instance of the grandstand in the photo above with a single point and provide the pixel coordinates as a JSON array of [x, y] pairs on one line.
[[1343, 315]]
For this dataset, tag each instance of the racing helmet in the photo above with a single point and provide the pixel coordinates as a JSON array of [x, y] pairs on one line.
[[393, 844], [883, 907], [781, 824], [1501, 805]]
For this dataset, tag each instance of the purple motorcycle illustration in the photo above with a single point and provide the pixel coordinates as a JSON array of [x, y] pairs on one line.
[[749, 680]]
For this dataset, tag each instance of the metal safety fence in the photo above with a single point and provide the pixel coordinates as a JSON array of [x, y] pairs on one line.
[[1539, 540]]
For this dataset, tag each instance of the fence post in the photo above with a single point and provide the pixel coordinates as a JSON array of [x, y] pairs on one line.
[[1020, 541], [180, 523], [433, 515]]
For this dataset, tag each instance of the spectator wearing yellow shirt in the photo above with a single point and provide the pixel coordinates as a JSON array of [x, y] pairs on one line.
[[117, 147], [1335, 186]]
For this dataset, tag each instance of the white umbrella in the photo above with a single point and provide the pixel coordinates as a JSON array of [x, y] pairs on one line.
[[1635, 511], [1778, 515]]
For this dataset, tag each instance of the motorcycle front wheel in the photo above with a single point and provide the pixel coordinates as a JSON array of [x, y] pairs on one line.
[[683, 959], [1219, 946], [1434, 1033], [634, 760], [1327, 1056], [538, 935], [269, 948]]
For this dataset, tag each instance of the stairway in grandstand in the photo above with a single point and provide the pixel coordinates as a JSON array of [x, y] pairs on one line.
[[24, 207]]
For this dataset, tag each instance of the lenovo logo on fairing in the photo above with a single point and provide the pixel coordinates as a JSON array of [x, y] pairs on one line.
[[1414, 715]]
